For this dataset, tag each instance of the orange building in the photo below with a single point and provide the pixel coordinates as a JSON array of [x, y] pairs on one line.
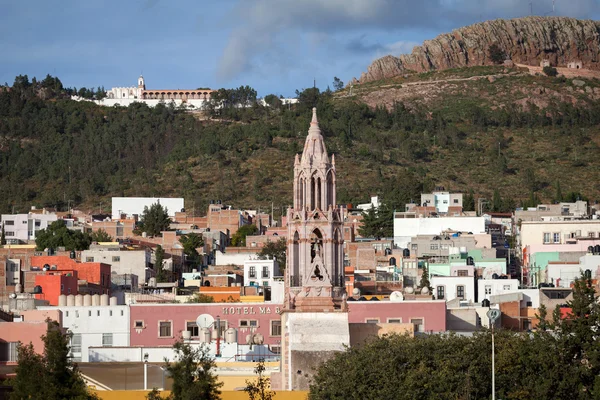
[[55, 283], [92, 272]]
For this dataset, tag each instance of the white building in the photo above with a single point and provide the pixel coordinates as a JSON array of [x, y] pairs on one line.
[[407, 226], [234, 258], [135, 205], [563, 274], [493, 287], [557, 232], [21, 228], [453, 287], [367, 206], [94, 326], [122, 261], [261, 272]]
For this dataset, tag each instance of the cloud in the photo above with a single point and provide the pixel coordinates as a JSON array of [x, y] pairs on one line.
[[262, 24]]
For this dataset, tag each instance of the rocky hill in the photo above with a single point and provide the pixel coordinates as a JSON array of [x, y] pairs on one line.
[[528, 41]]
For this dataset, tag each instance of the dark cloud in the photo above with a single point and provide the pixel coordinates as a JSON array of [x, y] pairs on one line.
[[260, 22]]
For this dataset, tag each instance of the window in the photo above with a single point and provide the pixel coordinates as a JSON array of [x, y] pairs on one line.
[[460, 291], [76, 343], [275, 328], [265, 272], [62, 287], [591, 234], [556, 237], [89, 313], [9, 233], [164, 329], [526, 324], [38, 222], [546, 237], [440, 292], [394, 320], [372, 321], [488, 289], [243, 323], [138, 324], [265, 283], [455, 201], [110, 313], [275, 349], [66, 313], [192, 328], [462, 272], [89, 259], [414, 246], [253, 323], [252, 272], [116, 259], [9, 222], [68, 290], [433, 246], [8, 351], [122, 313], [506, 287], [418, 324], [24, 222], [107, 339]]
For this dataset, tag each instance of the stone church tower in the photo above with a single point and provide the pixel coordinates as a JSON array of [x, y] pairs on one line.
[[314, 315], [315, 267]]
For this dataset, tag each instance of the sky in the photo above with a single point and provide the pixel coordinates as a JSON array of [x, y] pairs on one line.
[[274, 46]]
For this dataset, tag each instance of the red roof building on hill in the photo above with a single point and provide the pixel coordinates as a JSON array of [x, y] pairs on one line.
[[92, 272]]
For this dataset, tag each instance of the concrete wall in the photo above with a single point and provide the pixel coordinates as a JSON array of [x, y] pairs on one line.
[[121, 262], [135, 205], [25, 226], [451, 283], [496, 287], [360, 333], [92, 322], [532, 232], [405, 228]]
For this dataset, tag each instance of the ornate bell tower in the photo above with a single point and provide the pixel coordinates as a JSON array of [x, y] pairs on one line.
[[315, 266]]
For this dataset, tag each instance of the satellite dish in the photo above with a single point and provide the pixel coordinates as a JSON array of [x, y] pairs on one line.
[[396, 297], [204, 321]]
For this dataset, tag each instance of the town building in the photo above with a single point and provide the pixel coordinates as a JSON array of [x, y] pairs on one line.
[[123, 260], [127, 207], [94, 277], [408, 225], [261, 272], [23, 228]]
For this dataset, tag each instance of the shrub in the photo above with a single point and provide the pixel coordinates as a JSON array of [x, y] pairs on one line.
[[550, 71], [496, 54]]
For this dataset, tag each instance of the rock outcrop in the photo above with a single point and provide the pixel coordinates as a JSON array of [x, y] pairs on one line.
[[529, 40]]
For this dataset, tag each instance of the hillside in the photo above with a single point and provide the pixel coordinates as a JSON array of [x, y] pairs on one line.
[[528, 41], [470, 129]]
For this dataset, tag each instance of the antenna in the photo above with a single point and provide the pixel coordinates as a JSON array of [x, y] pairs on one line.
[[531, 7]]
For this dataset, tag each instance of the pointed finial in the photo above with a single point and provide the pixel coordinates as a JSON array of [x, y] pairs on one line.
[[297, 160], [314, 117], [333, 159]]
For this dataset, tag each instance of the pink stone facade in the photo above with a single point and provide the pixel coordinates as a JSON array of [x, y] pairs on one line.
[[431, 312], [146, 318]]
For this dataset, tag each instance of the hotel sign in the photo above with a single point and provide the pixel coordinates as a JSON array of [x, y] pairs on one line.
[[251, 310]]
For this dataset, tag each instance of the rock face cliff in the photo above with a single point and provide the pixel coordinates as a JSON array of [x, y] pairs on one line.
[[529, 40]]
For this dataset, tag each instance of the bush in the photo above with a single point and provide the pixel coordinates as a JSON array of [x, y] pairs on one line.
[[550, 71], [497, 55]]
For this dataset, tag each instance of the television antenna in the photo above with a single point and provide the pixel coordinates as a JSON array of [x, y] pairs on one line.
[[553, 8]]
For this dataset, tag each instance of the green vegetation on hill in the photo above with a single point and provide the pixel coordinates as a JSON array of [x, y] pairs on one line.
[[57, 151]]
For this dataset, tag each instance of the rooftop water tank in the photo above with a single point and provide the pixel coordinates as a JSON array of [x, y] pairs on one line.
[[204, 335], [79, 300], [113, 301], [231, 335], [87, 300], [104, 300], [70, 300], [62, 300], [96, 300]]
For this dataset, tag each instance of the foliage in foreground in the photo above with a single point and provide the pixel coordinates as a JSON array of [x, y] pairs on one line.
[[260, 388], [49, 376], [559, 361], [193, 374]]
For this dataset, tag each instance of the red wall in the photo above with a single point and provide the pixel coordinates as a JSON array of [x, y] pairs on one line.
[[51, 285], [433, 312], [151, 314], [90, 271]]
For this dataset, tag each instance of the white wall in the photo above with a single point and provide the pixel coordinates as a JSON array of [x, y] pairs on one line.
[[94, 321], [450, 284], [405, 228], [24, 226], [272, 267], [532, 232], [233, 258], [129, 261], [495, 287], [135, 205]]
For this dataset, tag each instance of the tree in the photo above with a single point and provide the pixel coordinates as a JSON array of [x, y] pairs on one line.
[[496, 201], [58, 235], [2, 237], [261, 388], [100, 236], [155, 219], [496, 54], [425, 280], [239, 238], [190, 243], [154, 394], [469, 202], [550, 71], [193, 373], [200, 298], [558, 197], [337, 84], [377, 223], [276, 249], [52, 375], [273, 101], [159, 254]]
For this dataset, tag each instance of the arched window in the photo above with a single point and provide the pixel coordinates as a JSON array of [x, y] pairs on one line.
[[295, 270], [330, 191], [312, 193], [319, 194], [337, 263]]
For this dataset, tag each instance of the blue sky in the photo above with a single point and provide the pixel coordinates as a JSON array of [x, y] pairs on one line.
[[275, 46]]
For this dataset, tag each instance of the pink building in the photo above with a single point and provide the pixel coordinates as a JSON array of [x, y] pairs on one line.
[[154, 325], [426, 315]]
